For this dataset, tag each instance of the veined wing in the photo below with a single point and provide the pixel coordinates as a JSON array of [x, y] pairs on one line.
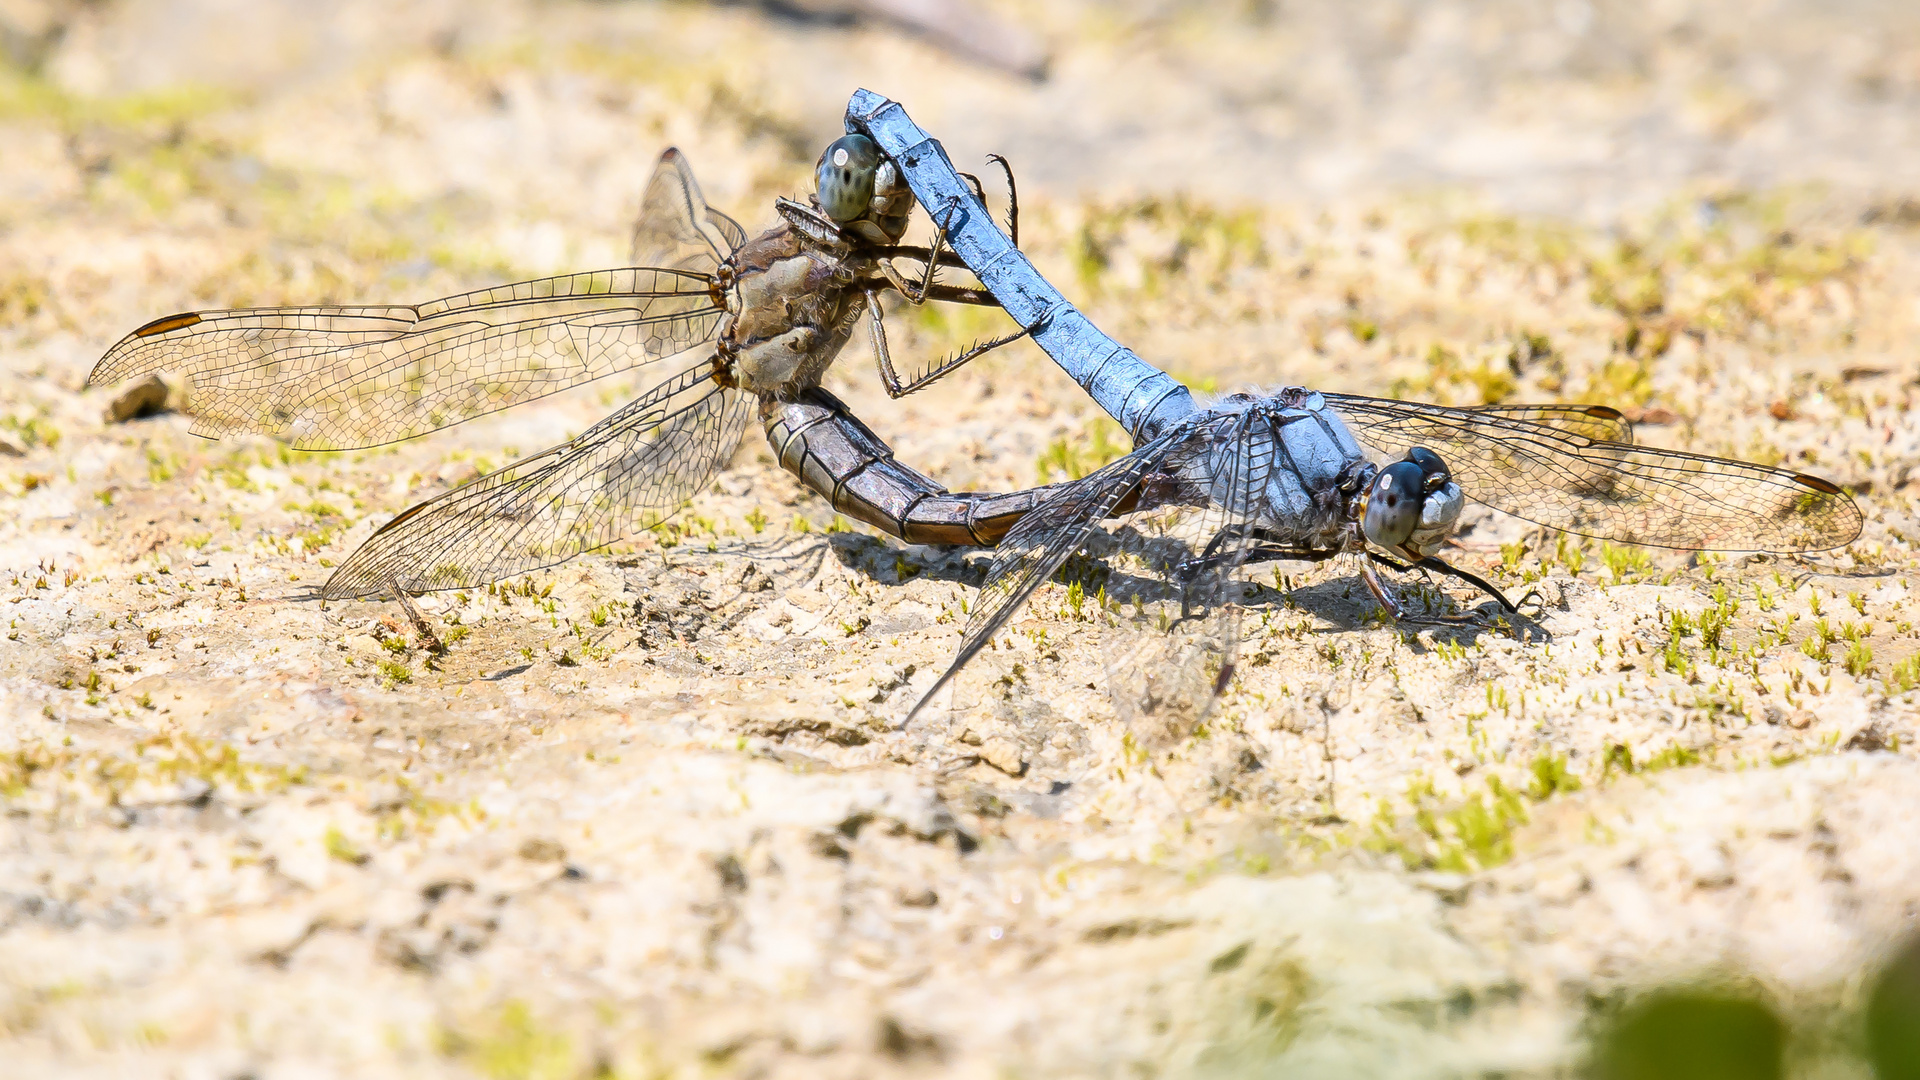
[[1558, 477], [1597, 422], [676, 228], [1176, 622], [623, 474], [337, 378], [1039, 543]]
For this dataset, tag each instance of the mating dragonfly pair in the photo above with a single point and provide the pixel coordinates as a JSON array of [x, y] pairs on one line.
[[720, 325]]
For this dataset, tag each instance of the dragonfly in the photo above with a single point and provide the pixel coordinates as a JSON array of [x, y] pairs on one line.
[[1295, 474], [719, 325]]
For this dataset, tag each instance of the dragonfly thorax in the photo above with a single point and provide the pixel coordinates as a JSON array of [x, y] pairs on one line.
[[790, 309], [1282, 464]]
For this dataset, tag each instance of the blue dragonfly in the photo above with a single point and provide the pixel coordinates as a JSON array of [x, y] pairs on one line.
[[1297, 474]]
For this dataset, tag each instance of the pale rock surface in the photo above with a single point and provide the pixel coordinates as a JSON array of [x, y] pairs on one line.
[[656, 810]]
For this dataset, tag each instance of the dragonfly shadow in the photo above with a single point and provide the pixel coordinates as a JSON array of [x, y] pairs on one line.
[[896, 564], [1343, 605], [306, 594]]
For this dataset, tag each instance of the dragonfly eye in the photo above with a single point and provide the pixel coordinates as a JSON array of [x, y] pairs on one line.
[[1394, 501], [843, 179], [1437, 473]]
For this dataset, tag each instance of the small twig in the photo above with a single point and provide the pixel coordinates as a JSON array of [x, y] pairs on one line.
[[419, 621]]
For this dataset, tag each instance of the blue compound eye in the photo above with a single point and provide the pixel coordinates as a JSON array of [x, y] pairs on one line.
[[843, 179], [1393, 504]]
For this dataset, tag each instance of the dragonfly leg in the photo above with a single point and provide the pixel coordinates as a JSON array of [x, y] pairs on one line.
[[946, 257], [1431, 563], [1189, 570], [883, 358], [1013, 195], [1381, 593], [1212, 558], [979, 190], [946, 294], [1013, 199], [919, 294]]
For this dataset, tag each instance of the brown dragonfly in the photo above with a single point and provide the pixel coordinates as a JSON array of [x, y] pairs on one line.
[[719, 325]]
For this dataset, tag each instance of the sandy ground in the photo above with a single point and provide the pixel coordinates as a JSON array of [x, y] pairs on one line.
[[654, 814]]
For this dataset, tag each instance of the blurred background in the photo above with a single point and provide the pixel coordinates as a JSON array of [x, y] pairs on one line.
[[168, 154], [1581, 107]]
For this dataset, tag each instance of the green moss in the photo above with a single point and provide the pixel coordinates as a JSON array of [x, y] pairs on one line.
[[163, 759], [1859, 660], [25, 97], [417, 812], [33, 432], [1817, 646], [1449, 380], [1185, 240], [341, 848], [1521, 240], [513, 1045], [1678, 271], [1619, 758], [1551, 777], [1472, 832], [1621, 380], [1905, 675], [1072, 457], [1626, 563]]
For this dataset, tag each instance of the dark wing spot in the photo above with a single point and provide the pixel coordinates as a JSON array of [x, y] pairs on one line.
[[1604, 412], [1824, 487], [401, 517], [171, 322]]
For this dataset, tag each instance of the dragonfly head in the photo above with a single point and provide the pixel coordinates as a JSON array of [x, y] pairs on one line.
[[844, 177], [860, 187], [1412, 505]]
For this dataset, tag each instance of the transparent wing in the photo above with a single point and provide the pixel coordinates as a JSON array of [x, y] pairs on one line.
[[1039, 543], [337, 378], [622, 475], [1171, 595], [1555, 475], [1174, 599], [676, 228], [1597, 422]]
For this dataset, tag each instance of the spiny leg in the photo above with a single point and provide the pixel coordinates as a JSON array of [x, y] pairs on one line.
[[935, 255], [1013, 199], [919, 294], [940, 255], [895, 386], [1013, 195], [1429, 563], [947, 258], [1211, 558], [1268, 547], [1381, 594]]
